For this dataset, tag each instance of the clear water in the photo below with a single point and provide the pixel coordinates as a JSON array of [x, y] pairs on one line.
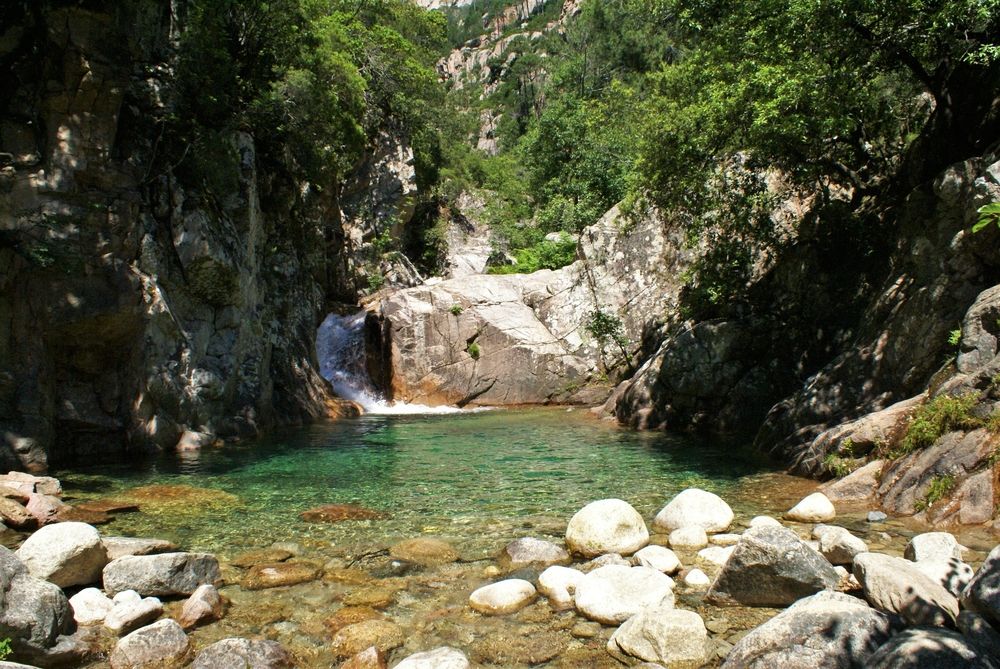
[[475, 478]]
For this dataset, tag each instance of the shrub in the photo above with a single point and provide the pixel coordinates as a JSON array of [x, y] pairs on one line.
[[838, 466], [940, 488], [456, 309], [5, 648], [473, 350], [944, 413]]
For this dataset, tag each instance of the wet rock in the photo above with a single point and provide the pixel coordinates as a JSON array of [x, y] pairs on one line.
[[128, 616], [33, 612], [162, 644], [695, 508], [689, 538], [696, 578], [717, 555], [236, 653], [585, 630], [280, 574], [267, 555], [815, 508], [675, 637], [953, 574], [983, 593], [896, 585], [612, 594], [828, 630], [336, 513], [355, 638], [530, 552], [122, 546], [377, 597], [107, 506], [204, 605], [765, 521], [658, 558], [16, 516], [933, 546], [837, 544], [606, 526], [558, 584], [369, 658], [164, 574], [858, 486], [506, 650], [503, 597], [349, 615], [978, 630], [439, 658], [424, 551], [771, 566], [90, 606], [350, 576], [876, 517], [66, 554], [927, 648]]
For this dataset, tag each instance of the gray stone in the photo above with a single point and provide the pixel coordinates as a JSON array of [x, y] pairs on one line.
[[933, 546], [128, 616], [983, 593], [159, 575], [928, 648], [695, 507], [896, 585], [759, 521], [33, 612], [673, 637], [238, 653], [606, 526], [530, 552], [66, 554], [771, 566], [121, 546], [717, 555], [558, 584], [828, 630], [612, 594], [837, 544], [858, 486], [814, 508], [503, 597], [439, 658], [978, 630], [876, 517], [696, 578], [690, 538], [953, 574], [162, 644], [603, 561], [658, 558], [90, 606], [204, 605]]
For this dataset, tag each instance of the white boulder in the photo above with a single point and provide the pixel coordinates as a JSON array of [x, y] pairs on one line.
[[606, 526], [695, 507]]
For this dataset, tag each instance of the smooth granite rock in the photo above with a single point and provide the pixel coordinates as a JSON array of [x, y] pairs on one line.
[[896, 585], [612, 594], [606, 526], [66, 554], [695, 507], [164, 574]]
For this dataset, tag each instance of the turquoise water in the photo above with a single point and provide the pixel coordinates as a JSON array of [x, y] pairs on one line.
[[475, 478]]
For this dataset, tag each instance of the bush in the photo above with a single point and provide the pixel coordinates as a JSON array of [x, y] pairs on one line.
[[940, 488], [944, 413], [543, 255], [473, 350]]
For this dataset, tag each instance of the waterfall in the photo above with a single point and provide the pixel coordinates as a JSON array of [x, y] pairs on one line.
[[340, 345]]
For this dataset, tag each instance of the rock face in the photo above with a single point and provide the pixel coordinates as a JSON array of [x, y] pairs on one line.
[[896, 585], [673, 637], [606, 526], [66, 554], [161, 644], [770, 566], [243, 654], [695, 507], [162, 574], [612, 594], [828, 629]]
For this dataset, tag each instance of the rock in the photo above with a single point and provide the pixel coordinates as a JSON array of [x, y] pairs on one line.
[[762, 521], [603, 561], [658, 558], [876, 517], [162, 644], [336, 513], [837, 544], [33, 612], [280, 574], [815, 508], [695, 508], [46, 508], [606, 526], [350, 615], [355, 638], [978, 630], [558, 584], [927, 648], [90, 606], [164, 574], [675, 637], [828, 630], [612, 594], [66, 554], [983, 593], [251, 558], [126, 597], [688, 537], [858, 486], [121, 546], [16, 516], [503, 597], [585, 630], [204, 605], [933, 546], [532, 552], [29, 483], [129, 616], [439, 658], [513, 650], [896, 585], [696, 578], [375, 596], [238, 653], [107, 506], [953, 574], [725, 539], [424, 551], [717, 555], [771, 566], [369, 658]]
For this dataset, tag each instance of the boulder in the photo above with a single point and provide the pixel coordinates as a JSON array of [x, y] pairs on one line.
[[355, 638], [603, 561], [163, 574], [928, 648], [66, 554], [717, 555], [771, 566], [953, 574], [696, 578], [503, 597], [933, 546], [695, 507], [425, 551], [837, 544], [978, 630], [14, 515], [612, 594], [90, 606], [439, 658], [559, 584], [606, 526], [529, 552], [236, 653], [814, 508], [45, 508], [761, 521], [658, 558], [674, 637], [161, 645], [335, 513], [896, 585], [204, 605], [33, 612], [691, 538], [280, 574], [858, 486], [876, 517], [724, 539], [982, 595], [121, 546], [369, 658], [128, 616], [829, 630]]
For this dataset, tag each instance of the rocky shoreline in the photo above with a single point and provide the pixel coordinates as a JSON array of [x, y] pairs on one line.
[[696, 587]]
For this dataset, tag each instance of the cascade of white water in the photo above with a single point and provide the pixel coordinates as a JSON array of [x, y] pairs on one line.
[[340, 345]]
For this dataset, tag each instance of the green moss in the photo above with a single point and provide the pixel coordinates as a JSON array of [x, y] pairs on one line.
[[944, 413], [993, 422], [940, 488]]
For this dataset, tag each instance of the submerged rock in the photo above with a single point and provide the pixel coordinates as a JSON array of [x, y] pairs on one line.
[[66, 554], [612, 594], [349, 615], [674, 637], [528, 551], [160, 645], [896, 585], [695, 507], [355, 638], [503, 597], [336, 513], [236, 653], [606, 526], [164, 574], [439, 658], [369, 658], [425, 551], [280, 574]]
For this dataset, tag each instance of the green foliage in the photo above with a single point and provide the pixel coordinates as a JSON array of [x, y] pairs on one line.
[[944, 413], [839, 466], [989, 214], [375, 282], [993, 423], [473, 350], [5, 648], [542, 255], [456, 309], [940, 487], [955, 337], [607, 328]]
